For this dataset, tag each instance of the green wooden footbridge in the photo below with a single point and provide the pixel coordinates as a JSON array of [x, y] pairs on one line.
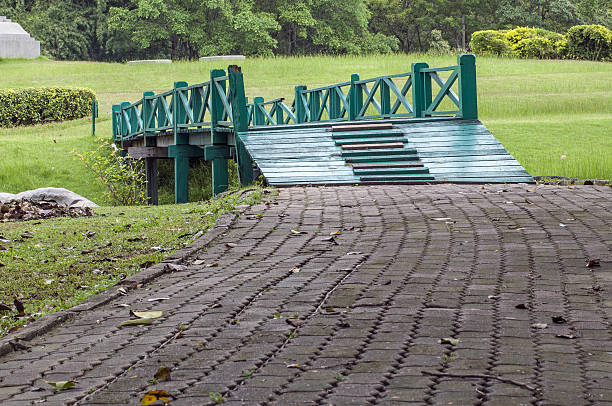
[[416, 127]]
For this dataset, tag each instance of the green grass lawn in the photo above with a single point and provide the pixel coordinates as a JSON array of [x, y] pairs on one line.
[[540, 110]]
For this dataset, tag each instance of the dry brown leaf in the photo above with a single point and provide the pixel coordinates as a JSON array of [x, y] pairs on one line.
[[163, 374]]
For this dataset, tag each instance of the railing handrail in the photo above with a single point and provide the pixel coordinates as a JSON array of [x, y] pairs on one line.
[[415, 98]]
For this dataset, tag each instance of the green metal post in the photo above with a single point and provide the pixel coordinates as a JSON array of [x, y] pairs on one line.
[[181, 141], [419, 99], [314, 105], [116, 124], [300, 108], [258, 116], [241, 124], [467, 87], [385, 98], [94, 114], [220, 175], [355, 98]]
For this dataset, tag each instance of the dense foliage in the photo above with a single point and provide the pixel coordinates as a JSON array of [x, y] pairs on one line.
[[593, 42], [116, 30], [41, 105]]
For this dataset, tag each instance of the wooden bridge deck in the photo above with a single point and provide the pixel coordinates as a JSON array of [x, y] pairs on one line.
[[412, 151]]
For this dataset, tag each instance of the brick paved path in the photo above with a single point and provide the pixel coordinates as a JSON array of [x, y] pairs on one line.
[[290, 318]]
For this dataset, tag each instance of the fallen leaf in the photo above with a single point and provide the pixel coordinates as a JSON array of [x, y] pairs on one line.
[[163, 374], [277, 315], [27, 234], [539, 325], [4, 308], [442, 219], [89, 234], [61, 385], [199, 262], [153, 396], [123, 291], [122, 305], [19, 306], [562, 225], [174, 268], [293, 366], [559, 320], [49, 281], [3, 248], [135, 239], [592, 263], [295, 270], [212, 265], [515, 227], [528, 201], [449, 340], [297, 232], [354, 253], [335, 233], [148, 315], [521, 306], [231, 245], [158, 299], [136, 322], [566, 336], [13, 329], [16, 258]]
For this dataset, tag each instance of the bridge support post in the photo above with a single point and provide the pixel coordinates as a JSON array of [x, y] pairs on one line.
[[241, 124], [220, 175], [355, 98], [314, 105], [116, 111], [467, 87], [300, 108], [149, 141], [178, 151], [421, 89]]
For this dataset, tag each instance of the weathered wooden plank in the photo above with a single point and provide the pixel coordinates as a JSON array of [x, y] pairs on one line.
[[373, 146], [387, 165], [148, 152], [361, 127], [377, 140]]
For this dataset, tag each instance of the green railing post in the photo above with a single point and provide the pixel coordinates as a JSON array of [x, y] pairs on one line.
[[147, 115], [241, 124], [300, 108], [196, 105], [314, 105], [220, 175], [94, 114], [259, 117], [468, 103], [355, 98], [116, 124], [419, 89], [181, 143], [279, 114], [334, 103], [385, 98], [125, 123]]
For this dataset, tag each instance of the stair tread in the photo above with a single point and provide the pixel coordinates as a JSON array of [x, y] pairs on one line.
[[374, 146], [387, 165], [358, 127]]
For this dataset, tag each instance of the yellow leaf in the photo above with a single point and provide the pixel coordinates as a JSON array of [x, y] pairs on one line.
[[61, 385], [153, 396], [136, 322], [149, 315]]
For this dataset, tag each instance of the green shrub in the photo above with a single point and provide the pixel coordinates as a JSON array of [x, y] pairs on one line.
[[490, 42], [539, 43], [438, 45], [41, 105], [593, 42]]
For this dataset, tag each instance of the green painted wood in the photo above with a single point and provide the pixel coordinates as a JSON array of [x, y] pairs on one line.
[[390, 171], [385, 159], [300, 107], [371, 140], [241, 125], [220, 175], [394, 151], [467, 87]]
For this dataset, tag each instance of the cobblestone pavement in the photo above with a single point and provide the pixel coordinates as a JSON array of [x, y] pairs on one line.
[[344, 295]]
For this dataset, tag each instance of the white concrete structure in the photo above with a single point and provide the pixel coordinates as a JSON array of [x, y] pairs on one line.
[[15, 42], [146, 61], [222, 57]]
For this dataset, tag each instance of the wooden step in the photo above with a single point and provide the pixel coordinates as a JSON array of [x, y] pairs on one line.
[[360, 127], [387, 165], [374, 146]]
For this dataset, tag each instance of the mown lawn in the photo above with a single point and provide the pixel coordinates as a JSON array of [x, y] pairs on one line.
[[554, 116]]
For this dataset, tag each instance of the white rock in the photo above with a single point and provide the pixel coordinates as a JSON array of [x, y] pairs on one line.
[[50, 194]]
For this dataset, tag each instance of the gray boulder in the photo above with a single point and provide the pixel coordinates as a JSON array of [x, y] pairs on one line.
[[50, 194]]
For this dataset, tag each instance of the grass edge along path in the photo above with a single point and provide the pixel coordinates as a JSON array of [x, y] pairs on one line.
[[54, 264]]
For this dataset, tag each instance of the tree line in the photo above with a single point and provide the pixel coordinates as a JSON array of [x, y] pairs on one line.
[[118, 30]]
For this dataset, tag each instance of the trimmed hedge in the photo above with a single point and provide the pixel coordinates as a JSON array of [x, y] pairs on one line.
[[41, 105], [592, 42]]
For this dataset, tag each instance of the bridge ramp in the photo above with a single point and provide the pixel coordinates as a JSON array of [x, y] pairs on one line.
[[409, 151]]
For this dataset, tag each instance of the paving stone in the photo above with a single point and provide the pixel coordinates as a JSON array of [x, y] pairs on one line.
[[371, 310]]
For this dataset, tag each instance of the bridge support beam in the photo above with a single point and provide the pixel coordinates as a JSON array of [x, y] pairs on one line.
[[181, 149]]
